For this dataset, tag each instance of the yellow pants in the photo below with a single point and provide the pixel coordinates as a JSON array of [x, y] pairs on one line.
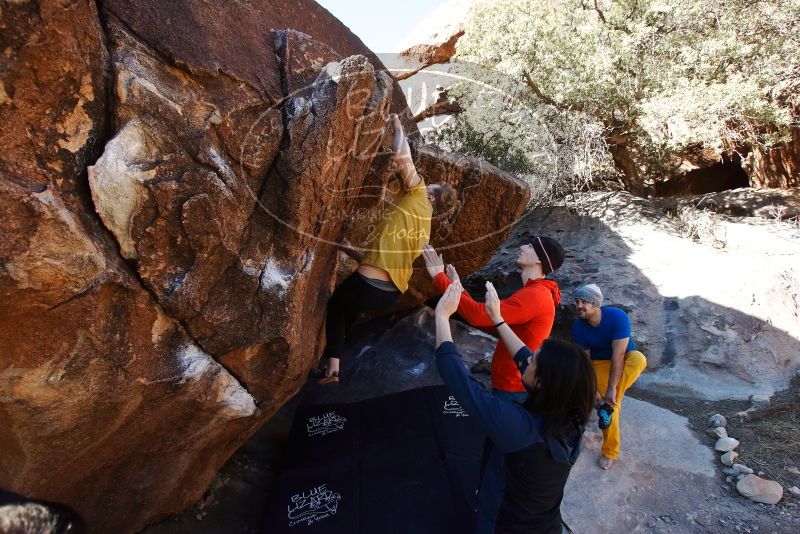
[[635, 363]]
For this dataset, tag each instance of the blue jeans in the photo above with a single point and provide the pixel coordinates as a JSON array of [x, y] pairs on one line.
[[490, 493]]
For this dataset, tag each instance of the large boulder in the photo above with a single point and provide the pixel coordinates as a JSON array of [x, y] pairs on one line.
[[712, 298], [228, 37], [433, 40], [169, 204], [228, 233], [106, 403]]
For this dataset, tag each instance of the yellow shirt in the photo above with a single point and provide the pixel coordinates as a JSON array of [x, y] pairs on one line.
[[399, 236]]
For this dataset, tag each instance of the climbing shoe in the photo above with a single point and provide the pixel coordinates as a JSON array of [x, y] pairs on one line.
[[604, 414], [328, 379]]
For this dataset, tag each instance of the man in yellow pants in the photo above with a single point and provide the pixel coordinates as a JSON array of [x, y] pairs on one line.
[[605, 333]]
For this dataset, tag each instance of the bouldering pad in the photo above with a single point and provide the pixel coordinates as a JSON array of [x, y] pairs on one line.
[[406, 462]]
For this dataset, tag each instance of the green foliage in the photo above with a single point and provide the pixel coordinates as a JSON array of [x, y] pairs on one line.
[[491, 146], [659, 75]]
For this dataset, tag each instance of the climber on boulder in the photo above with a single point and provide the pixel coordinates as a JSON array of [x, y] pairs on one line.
[[539, 440], [530, 313], [385, 264]]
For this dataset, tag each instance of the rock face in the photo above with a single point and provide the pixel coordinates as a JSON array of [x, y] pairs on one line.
[[169, 201], [102, 395], [779, 166], [211, 153], [229, 37], [433, 40], [712, 298]]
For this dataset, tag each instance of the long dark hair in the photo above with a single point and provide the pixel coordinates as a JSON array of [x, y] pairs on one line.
[[565, 387]]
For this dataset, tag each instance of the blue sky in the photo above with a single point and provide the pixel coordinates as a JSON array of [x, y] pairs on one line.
[[379, 23]]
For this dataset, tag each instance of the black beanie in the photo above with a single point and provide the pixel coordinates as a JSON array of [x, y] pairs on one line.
[[549, 251]]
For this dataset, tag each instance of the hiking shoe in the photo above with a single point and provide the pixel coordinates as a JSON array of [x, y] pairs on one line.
[[605, 463], [328, 379], [604, 415]]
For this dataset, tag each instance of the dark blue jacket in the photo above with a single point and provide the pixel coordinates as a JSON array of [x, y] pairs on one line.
[[536, 467]]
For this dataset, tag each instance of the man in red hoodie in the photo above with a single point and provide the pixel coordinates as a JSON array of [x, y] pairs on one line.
[[530, 313]]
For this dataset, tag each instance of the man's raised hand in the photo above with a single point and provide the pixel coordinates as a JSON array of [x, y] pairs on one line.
[[452, 274], [448, 304], [492, 303], [433, 261]]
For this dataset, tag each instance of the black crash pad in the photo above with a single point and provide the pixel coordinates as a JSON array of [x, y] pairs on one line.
[[402, 463]]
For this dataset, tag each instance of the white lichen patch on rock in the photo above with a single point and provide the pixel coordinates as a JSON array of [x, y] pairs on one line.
[[116, 181], [275, 278], [236, 401], [224, 169], [225, 390], [249, 268], [193, 361]]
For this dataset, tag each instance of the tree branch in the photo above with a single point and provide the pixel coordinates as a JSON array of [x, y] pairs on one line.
[[599, 12], [546, 99]]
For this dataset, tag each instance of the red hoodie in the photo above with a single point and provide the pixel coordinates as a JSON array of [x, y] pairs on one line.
[[529, 312]]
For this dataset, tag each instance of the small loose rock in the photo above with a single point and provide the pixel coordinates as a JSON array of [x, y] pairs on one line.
[[794, 490], [702, 519], [759, 490], [717, 432], [728, 458], [743, 469], [726, 444], [717, 420], [759, 402]]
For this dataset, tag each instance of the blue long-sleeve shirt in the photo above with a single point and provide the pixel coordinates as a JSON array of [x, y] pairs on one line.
[[510, 426], [537, 466]]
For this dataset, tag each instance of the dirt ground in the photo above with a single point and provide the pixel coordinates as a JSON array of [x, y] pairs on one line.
[[769, 444]]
